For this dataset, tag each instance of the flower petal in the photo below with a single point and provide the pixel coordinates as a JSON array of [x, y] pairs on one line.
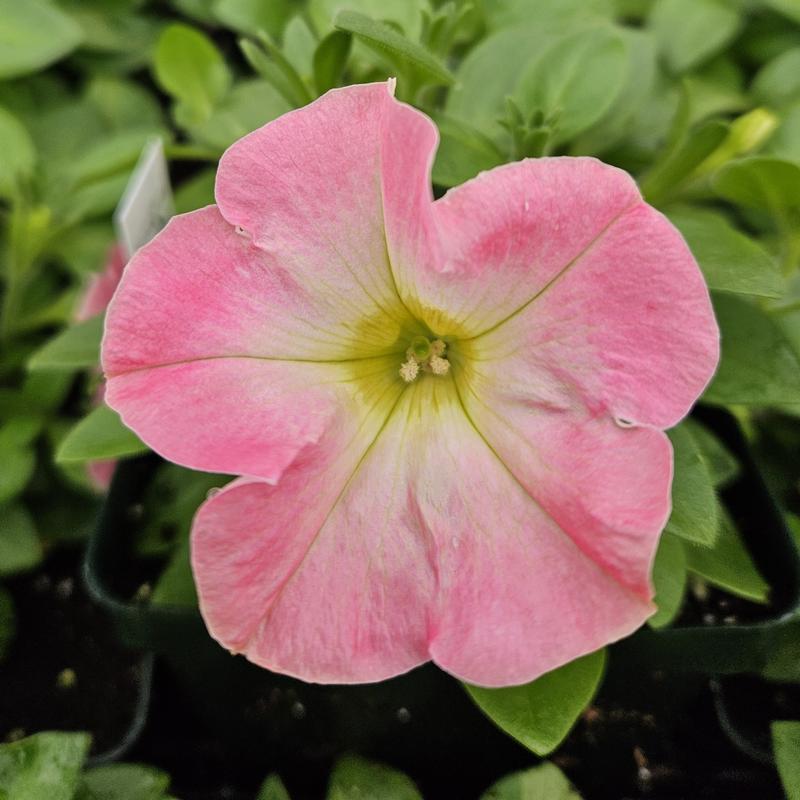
[[627, 328], [501, 237], [244, 416], [213, 353], [318, 577], [200, 290], [102, 285], [424, 545], [606, 486], [315, 188]]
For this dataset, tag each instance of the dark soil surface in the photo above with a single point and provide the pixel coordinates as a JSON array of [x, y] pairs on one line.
[[64, 670], [647, 736], [664, 744]]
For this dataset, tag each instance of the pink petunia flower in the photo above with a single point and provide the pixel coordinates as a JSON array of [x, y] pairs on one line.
[[96, 298], [447, 414]]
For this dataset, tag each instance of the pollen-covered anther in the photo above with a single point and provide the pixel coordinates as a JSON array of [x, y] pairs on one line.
[[409, 370], [424, 356], [439, 365]]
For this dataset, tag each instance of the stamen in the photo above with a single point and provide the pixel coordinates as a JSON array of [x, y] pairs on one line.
[[439, 365], [426, 356], [409, 370]]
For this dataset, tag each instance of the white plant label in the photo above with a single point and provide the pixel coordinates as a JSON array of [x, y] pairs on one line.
[[146, 204]]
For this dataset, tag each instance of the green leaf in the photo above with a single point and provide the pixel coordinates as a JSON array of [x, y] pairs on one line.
[[172, 499], [386, 41], [717, 88], [540, 714], [20, 431], [176, 585], [251, 104], [406, 15], [273, 789], [19, 154], [730, 261], [18, 465], [8, 624], [722, 464], [196, 192], [463, 152], [355, 777], [785, 142], [189, 67], [679, 161], [489, 74], [694, 502], [118, 153], [691, 31], [100, 435], [249, 16], [124, 104], [75, 347], [20, 549], [578, 77], [330, 60], [299, 44], [758, 364], [46, 390], [277, 71], [120, 32], [789, 8], [510, 13], [34, 33], [545, 782], [760, 182], [84, 248], [123, 782], [639, 85], [669, 579], [778, 81], [728, 564], [786, 745], [46, 765]]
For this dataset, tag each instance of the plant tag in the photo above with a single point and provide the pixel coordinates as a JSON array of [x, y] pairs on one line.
[[146, 204]]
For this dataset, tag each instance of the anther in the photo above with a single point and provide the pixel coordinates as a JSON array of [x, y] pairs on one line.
[[426, 356]]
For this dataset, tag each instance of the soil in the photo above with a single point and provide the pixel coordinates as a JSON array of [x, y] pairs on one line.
[[64, 670], [646, 737], [665, 743]]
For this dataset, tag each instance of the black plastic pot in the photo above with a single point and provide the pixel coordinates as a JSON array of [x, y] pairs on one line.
[[422, 717], [769, 648]]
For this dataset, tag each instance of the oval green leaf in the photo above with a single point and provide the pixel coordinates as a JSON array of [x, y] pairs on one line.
[[401, 51], [99, 435], [189, 67], [75, 347], [758, 365], [540, 714], [578, 78], [545, 782], [33, 34]]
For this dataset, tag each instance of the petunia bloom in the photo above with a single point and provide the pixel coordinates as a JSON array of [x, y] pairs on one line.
[[96, 297], [496, 510]]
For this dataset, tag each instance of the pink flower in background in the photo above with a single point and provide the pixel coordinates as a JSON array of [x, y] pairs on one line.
[[96, 298], [447, 414], [102, 286]]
